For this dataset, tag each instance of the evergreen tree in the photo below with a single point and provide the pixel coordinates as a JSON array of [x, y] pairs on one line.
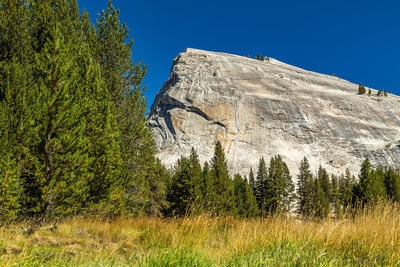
[[361, 89], [289, 195], [66, 142], [336, 196], [280, 188], [17, 134], [239, 195], [10, 189], [158, 177], [178, 190], [16, 100], [123, 80], [208, 190], [379, 183], [260, 57], [392, 184], [261, 187], [245, 202], [15, 25], [64, 147], [251, 204], [222, 183], [371, 185], [346, 190], [252, 181], [275, 186], [320, 202], [197, 179], [325, 184], [305, 189], [76, 100], [184, 191]]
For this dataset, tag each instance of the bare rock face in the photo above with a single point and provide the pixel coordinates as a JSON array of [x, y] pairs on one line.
[[264, 108]]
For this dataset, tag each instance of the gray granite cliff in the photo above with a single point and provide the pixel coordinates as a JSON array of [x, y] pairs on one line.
[[263, 108]]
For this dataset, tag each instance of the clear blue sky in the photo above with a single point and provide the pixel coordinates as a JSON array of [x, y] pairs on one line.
[[358, 40]]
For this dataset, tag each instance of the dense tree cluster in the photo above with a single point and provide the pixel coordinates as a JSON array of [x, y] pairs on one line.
[[261, 57], [210, 189], [273, 187], [73, 134], [194, 189], [320, 195]]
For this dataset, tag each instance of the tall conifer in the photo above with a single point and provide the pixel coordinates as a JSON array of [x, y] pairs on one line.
[[222, 183], [123, 80], [305, 189], [261, 186], [245, 202]]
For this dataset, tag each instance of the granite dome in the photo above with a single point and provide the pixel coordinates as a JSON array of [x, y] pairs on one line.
[[263, 108]]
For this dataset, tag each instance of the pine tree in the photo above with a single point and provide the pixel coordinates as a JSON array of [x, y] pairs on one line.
[[245, 202], [64, 146], [361, 89], [197, 179], [280, 186], [320, 202], [370, 187], [346, 184], [239, 195], [77, 130], [252, 181], [324, 182], [208, 188], [184, 190], [10, 189], [261, 187], [336, 196], [305, 189], [379, 184], [275, 186], [16, 133], [63, 125], [222, 183], [16, 39], [178, 190], [289, 195], [123, 80], [251, 204], [392, 184]]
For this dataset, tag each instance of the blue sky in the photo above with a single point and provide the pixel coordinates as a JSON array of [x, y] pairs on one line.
[[358, 40]]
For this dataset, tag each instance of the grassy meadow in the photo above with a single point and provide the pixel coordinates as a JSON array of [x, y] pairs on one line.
[[370, 239]]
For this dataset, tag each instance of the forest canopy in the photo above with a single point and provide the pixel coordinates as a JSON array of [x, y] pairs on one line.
[[73, 134]]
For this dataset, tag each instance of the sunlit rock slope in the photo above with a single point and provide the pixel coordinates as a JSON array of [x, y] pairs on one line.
[[263, 108]]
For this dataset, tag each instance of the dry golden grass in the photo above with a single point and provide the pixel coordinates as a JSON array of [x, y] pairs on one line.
[[372, 238]]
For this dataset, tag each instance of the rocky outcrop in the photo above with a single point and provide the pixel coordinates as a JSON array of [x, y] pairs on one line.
[[263, 108]]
